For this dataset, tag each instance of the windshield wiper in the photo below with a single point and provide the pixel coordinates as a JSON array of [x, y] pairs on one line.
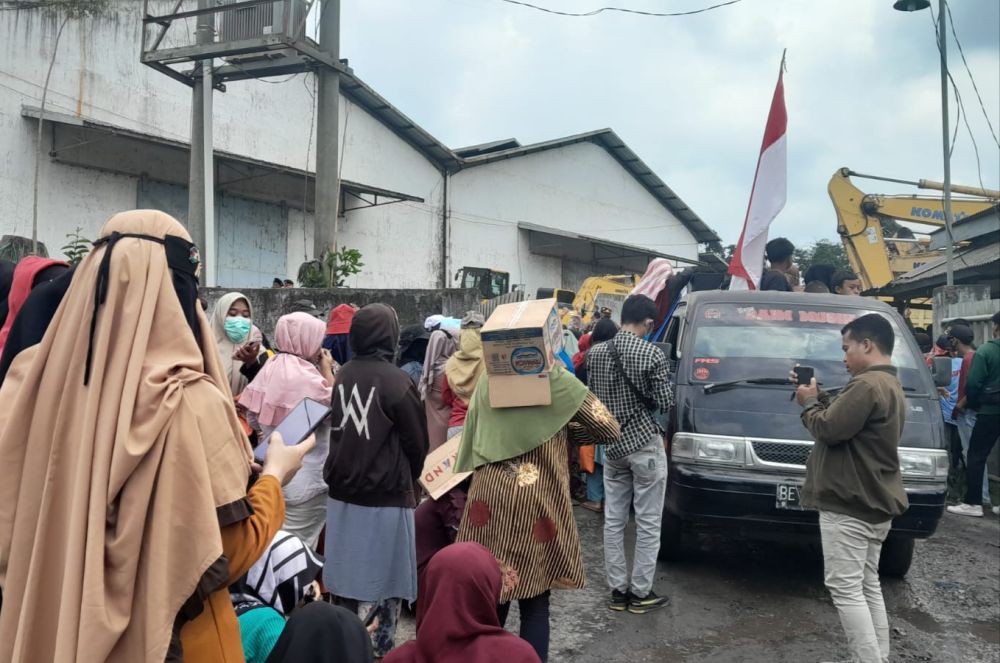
[[719, 386], [833, 390]]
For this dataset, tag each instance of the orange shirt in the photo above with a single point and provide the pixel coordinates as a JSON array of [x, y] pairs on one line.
[[214, 636]]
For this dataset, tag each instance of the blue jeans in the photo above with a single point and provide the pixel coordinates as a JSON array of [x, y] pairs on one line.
[[595, 484]]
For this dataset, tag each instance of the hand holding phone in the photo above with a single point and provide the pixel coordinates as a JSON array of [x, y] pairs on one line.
[[282, 460], [803, 374], [297, 425], [247, 354]]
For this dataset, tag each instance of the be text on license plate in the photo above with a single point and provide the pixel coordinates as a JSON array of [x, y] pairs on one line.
[[787, 496]]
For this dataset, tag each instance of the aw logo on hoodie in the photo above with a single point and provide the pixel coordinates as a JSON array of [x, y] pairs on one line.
[[356, 410]]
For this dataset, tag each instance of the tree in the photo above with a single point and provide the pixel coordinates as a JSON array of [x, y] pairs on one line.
[[821, 252], [331, 269], [77, 247]]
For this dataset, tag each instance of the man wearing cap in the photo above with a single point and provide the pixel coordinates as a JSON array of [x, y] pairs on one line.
[[949, 395], [962, 342]]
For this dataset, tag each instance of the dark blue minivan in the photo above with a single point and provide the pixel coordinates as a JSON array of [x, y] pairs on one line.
[[737, 449]]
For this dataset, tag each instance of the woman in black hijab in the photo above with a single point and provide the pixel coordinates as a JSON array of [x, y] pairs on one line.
[[322, 633]]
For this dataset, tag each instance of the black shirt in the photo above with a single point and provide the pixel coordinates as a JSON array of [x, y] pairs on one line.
[[774, 280]]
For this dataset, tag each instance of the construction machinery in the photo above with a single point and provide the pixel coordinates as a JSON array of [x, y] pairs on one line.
[[490, 283], [596, 292], [878, 259]]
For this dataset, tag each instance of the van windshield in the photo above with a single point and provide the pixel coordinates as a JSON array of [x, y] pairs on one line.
[[735, 341]]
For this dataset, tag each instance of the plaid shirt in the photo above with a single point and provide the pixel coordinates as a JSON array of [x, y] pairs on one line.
[[648, 368]]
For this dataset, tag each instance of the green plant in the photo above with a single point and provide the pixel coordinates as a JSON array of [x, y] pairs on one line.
[[331, 269], [77, 247]]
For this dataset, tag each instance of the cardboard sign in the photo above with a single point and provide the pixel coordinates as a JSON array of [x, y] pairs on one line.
[[438, 476]]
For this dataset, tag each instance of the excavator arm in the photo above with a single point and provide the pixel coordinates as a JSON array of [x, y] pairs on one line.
[[877, 259]]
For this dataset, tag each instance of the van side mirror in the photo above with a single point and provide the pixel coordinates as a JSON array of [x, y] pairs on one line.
[[941, 370], [667, 348]]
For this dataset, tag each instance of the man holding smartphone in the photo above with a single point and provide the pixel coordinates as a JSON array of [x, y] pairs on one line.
[[854, 481]]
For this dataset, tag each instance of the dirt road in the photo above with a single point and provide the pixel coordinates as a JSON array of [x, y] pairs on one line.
[[765, 602]]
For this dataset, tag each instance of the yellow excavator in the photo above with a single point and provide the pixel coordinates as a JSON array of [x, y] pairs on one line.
[[878, 259], [595, 293]]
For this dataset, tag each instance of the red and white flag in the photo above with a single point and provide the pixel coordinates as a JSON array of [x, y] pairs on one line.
[[767, 197]]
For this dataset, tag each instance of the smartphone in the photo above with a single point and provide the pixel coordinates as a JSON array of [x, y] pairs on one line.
[[804, 374], [299, 424]]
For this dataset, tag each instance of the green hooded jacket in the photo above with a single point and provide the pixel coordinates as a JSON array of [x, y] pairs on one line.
[[985, 371]]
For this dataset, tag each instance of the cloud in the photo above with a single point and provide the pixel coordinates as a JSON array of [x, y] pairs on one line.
[[690, 95]]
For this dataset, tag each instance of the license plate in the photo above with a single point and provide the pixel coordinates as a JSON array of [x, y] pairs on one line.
[[786, 496]]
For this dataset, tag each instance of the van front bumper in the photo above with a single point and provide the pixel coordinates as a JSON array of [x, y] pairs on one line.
[[708, 498]]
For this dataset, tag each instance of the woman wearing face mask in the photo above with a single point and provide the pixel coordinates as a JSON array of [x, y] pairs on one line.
[[232, 323]]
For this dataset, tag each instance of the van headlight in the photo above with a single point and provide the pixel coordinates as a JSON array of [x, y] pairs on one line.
[[716, 450], [923, 463]]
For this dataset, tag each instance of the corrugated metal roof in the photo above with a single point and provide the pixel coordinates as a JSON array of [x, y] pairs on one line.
[[360, 93], [451, 161], [967, 259], [609, 140]]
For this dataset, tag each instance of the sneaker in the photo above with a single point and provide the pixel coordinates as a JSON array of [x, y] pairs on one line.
[[996, 511], [619, 600], [974, 510], [596, 507], [648, 603]]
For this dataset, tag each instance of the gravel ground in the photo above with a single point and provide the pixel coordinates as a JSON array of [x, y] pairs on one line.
[[765, 602]]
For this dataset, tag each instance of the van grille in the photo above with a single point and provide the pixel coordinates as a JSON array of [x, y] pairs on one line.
[[781, 452]]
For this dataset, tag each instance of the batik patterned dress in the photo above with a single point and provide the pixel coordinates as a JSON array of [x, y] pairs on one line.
[[520, 509]]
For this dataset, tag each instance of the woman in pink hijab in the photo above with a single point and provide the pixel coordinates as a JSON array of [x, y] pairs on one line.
[[301, 369]]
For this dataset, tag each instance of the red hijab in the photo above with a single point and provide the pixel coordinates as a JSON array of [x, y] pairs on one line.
[[458, 623], [581, 356], [340, 319], [25, 273]]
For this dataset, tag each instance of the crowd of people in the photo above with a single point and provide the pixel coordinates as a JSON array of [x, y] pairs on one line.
[[168, 538], [138, 522]]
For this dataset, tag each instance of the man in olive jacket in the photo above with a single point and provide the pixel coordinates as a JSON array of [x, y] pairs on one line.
[[854, 481]]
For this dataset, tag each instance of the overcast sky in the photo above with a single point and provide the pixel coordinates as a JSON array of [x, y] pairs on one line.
[[690, 94]]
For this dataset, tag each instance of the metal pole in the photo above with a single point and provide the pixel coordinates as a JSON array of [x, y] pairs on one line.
[[948, 219], [327, 134], [208, 176], [196, 167]]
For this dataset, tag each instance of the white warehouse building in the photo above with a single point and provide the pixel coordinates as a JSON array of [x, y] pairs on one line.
[[116, 136]]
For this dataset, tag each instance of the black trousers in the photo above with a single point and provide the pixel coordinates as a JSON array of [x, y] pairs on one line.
[[984, 438], [534, 622]]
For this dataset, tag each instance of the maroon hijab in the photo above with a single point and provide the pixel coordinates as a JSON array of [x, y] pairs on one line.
[[459, 622]]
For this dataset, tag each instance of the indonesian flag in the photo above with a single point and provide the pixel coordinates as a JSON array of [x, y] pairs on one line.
[[767, 197]]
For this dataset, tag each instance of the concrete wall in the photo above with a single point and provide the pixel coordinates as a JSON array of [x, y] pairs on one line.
[[412, 306], [578, 188]]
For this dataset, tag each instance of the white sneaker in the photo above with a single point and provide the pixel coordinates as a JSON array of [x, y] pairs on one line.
[[974, 510], [996, 511]]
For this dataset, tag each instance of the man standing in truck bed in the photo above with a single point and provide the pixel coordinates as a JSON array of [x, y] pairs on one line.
[[854, 481]]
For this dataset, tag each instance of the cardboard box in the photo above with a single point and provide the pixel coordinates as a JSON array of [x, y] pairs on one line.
[[519, 390], [522, 338], [438, 476]]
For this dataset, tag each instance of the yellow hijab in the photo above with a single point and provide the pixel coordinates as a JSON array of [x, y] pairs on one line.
[[466, 365]]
